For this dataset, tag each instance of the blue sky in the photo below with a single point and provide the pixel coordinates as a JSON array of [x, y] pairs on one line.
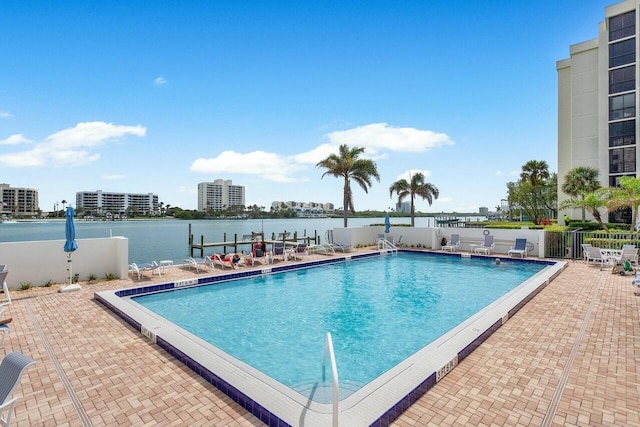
[[157, 96]]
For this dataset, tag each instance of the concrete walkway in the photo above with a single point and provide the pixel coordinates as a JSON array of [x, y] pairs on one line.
[[568, 357]]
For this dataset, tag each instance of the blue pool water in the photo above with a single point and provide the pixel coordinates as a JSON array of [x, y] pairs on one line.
[[379, 311]]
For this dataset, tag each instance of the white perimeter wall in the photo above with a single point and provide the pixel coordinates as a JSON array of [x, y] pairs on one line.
[[41, 261], [430, 238]]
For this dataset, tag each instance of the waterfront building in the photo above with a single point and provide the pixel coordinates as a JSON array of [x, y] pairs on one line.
[[304, 208], [403, 207], [18, 201], [597, 115], [103, 203], [220, 195]]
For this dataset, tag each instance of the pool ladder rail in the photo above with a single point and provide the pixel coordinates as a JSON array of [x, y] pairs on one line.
[[328, 350], [384, 244]]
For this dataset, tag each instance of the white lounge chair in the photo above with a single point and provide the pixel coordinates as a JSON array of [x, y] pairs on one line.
[[341, 247], [453, 245], [258, 254], [198, 263], [11, 369], [519, 248], [629, 253], [487, 245]]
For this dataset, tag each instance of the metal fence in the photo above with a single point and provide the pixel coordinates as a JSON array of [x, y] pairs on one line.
[[567, 244]]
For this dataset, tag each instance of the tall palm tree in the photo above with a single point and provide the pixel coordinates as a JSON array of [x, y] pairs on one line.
[[535, 173], [417, 187], [627, 196], [579, 182], [347, 165]]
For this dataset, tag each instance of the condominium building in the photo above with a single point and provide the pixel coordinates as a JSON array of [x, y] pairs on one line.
[[597, 90], [18, 201], [315, 208], [219, 195], [101, 203]]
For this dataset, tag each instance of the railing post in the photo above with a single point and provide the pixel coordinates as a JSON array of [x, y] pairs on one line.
[[328, 348]]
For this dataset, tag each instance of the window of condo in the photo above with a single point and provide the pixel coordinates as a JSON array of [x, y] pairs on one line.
[[614, 181], [622, 79], [622, 106], [622, 133], [622, 160], [622, 53], [622, 25]]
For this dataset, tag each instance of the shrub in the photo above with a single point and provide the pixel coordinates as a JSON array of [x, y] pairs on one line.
[[109, 276], [48, 284], [25, 286], [92, 277]]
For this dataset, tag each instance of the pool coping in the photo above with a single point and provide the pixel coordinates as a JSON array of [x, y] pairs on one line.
[[377, 403]]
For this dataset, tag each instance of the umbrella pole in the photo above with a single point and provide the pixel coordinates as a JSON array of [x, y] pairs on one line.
[[69, 267]]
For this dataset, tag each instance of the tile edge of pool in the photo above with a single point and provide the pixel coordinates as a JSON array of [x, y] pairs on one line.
[[379, 402]]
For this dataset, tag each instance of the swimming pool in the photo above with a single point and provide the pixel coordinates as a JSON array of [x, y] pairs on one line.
[[279, 341]]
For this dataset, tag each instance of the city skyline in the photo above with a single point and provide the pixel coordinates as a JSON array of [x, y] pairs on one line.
[[157, 97]]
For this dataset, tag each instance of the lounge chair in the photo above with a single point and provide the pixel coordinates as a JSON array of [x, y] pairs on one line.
[[585, 251], [595, 254], [141, 268], [5, 287], [629, 253], [453, 245], [519, 248], [4, 327], [487, 245], [259, 254], [198, 263], [341, 247], [11, 369], [299, 250], [279, 250]]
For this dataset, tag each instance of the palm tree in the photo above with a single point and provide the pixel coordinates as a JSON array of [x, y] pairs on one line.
[[347, 165], [579, 182], [417, 187], [627, 196], [592, 202]]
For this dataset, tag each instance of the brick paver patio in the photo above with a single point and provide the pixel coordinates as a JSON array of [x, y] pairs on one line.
[[567, 358]]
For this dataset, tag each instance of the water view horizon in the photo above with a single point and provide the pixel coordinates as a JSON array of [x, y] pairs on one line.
[[155, 240]]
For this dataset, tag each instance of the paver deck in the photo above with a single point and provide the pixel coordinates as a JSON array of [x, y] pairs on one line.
[[568, 357]]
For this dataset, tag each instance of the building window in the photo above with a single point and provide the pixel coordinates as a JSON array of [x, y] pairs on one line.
[[622, 133], [622, 79], [622, 53], [622, 106], [614, 181], [622, 26], [622, 160]]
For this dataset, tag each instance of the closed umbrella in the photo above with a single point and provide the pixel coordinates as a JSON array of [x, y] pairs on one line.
[[70, 246], [387, 223]]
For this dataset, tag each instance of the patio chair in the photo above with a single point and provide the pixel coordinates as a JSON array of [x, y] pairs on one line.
[[585, 251], [487, 245], [519, 248], [341, 247], [300, 250], [595, 254], [11, 369], [5, 287], [198, 263], [453, 245], [629, 253], [279, 250]]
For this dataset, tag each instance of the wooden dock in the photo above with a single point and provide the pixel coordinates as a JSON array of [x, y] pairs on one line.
[[247, 240]]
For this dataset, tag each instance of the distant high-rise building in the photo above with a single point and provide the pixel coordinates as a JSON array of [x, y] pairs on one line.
[[404, 207], [219, 195], [100, 202], [18, 201], [597, 96], [483, 210]]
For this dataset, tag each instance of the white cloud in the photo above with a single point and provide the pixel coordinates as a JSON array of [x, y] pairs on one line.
[[271, 166], [499, 173], [16, 139], [159, 81], [317, 154], [188, 189], [381, 136], [514, 173], [114, 177], [62, 148], [5, 115]]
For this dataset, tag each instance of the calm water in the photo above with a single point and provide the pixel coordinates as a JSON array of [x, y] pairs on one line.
[[168, 239], [280, 326]]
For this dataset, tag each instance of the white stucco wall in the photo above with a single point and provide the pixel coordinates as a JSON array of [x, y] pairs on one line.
[[41, 261]]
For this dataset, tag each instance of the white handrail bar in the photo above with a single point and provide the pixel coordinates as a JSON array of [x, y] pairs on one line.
[[387, 245], [328, 348]]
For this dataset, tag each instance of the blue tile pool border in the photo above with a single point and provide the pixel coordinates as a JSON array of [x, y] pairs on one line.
[[254, 407]]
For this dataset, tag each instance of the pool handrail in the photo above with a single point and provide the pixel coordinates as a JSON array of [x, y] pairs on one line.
[[328, 348]]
